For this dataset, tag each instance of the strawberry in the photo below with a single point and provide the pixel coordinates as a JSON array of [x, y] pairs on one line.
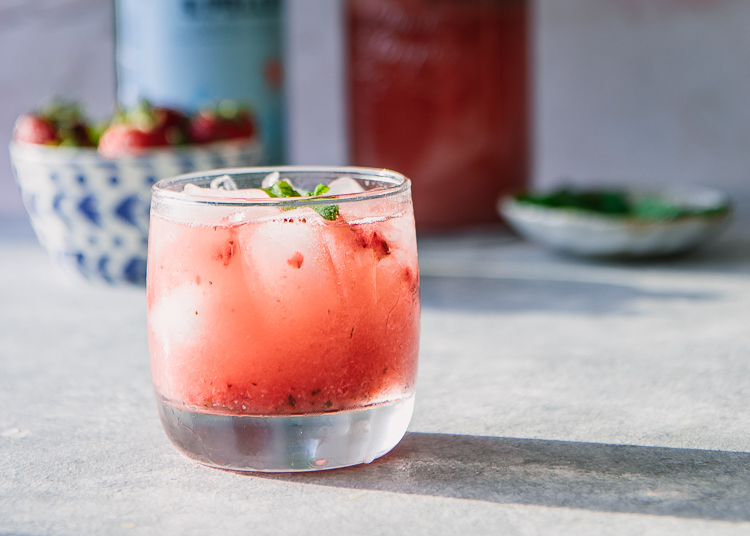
[[58, 123], [122, 140], [226, 121], [78, 135], [135, 130], [30, 128], [72, 126], [172, 127]]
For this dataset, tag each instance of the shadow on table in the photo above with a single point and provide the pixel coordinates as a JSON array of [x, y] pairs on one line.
[[515, 295], [730, 254], [608, 478]]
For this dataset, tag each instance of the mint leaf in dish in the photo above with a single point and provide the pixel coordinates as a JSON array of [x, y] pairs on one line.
[[655, 208], [618, 203], [604, 202]]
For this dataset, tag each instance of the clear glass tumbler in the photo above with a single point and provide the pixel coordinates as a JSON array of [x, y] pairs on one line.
[[283, 315]]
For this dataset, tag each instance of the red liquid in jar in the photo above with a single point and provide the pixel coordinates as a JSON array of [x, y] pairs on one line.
[[439, 92]]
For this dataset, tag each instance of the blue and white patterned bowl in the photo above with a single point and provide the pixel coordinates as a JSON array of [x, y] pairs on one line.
[[91, 214]]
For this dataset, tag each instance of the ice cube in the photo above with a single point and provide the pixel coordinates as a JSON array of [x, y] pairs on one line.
[[248, 193], [192, 189], [344, 185], [305, 213], [288, 267], [173, 319], [217, 214], [226, 181], [270, 179]]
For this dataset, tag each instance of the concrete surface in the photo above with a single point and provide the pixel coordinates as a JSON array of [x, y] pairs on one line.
[[555, 396]]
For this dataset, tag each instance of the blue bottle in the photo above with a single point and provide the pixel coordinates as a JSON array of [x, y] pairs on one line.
[[192, 53]]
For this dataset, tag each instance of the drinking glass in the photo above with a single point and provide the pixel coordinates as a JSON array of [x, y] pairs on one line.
[[283, 315]]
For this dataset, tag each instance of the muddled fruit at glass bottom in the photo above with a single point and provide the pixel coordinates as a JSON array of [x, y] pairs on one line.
[[287, 443]]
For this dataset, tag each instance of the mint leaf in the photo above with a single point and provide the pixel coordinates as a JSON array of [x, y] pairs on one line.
[[619, 203], [320, 189], [282, 189], [657, 209], [329, 212], [603, 201]]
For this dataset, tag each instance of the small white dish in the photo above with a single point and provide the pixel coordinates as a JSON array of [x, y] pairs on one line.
[[591, 234]]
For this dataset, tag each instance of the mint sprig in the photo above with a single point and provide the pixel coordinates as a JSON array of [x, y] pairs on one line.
[[620, 204], [284, 189], [329, 212], [320, 189]]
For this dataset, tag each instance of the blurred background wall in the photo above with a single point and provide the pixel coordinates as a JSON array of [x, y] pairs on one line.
[[648, 90], [51, 47], [655, 90], [66, 48]]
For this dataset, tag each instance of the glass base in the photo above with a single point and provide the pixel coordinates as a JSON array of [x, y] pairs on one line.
[[287, 443]]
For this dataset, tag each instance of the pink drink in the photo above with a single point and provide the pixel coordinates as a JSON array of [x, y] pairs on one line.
[[263, 309]]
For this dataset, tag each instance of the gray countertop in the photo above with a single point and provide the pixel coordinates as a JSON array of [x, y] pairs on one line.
[[555, 396]]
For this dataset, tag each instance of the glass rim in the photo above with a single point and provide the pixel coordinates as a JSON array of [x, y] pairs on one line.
[[398, 184]]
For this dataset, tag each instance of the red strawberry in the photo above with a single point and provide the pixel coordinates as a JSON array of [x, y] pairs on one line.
[[225, 122], [133, 131], [31, 128], [123, 140], [71, 124], [167, 117], [171, 127], [57, 123]]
